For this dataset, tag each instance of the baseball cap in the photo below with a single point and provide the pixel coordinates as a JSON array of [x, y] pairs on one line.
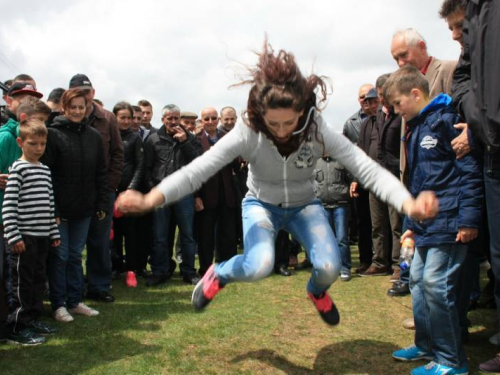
[[372, 94], [80, 80], [20, 88]]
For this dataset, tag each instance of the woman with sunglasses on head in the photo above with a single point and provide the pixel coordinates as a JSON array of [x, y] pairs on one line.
[[282, 136]]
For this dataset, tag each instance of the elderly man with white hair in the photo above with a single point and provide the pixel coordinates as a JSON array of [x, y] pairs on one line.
[[409, 48]]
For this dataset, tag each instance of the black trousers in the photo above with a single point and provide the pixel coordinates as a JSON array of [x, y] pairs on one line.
[[365, 244], [126, 235], [144, 239], [282, 250], [217, 230], [27, 277]]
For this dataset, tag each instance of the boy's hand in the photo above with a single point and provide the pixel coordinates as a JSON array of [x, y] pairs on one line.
[[3, 180], [465, 235], [426, 206], [58, 220], [55, 243], [407, 234], [353, 190], [18, 247]]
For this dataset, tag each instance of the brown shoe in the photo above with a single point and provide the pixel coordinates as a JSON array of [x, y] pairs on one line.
[[409, 324], [493, 365], [374, 271], [395, 275], [362, 268]]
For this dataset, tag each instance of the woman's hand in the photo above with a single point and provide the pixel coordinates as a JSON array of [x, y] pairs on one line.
[[426, 206], [132, 202]]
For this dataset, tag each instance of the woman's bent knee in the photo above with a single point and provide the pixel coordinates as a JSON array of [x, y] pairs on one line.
[[327, 272], [258, 270]]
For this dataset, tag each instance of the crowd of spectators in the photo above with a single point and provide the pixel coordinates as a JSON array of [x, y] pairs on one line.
[[91, 155]]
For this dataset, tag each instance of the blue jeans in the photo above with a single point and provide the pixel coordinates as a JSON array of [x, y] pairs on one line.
[[98, 251], [492, 193], [261, 223], [339, 220], [434, 275], [65, 264], [160, 257]]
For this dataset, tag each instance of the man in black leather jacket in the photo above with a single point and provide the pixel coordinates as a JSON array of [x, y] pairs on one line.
[[166, 151]]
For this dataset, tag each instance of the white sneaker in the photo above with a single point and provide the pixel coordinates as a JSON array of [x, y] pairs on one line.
[[495, 339], [345, 275], [62, 315], [83, 309]]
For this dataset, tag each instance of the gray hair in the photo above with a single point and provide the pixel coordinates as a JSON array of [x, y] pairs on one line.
[[228, 107], [169, 108], [412, 37]]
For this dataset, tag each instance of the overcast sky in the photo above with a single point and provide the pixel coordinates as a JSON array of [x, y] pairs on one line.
[[190, 52]]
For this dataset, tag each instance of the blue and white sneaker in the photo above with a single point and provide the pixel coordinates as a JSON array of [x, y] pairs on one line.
[[411, 353], [434, 368]]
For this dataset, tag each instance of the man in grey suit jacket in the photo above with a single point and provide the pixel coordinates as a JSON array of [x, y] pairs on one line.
[[409, 47]]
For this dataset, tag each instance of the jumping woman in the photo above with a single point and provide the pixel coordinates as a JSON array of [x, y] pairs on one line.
[[281, 136]]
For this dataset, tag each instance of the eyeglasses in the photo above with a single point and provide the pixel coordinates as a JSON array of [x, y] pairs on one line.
[[213, 118]]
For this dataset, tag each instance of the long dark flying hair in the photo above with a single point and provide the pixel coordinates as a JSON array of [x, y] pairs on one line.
[[278, 83]]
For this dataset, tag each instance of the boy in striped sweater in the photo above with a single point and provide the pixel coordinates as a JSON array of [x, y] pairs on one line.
[[29, 225]]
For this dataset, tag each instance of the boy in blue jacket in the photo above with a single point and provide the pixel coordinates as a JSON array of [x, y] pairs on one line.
[[440, 243]]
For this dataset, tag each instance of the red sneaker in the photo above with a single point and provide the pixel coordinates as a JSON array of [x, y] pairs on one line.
[[326, 308], [206, 289], [131, 280]]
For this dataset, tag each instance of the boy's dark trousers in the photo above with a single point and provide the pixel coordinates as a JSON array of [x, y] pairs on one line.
[[28, 275]]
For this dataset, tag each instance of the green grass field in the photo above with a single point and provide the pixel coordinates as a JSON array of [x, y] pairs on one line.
[[268, 327]]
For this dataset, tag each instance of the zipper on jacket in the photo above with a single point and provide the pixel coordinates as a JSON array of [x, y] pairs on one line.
[[284, 180], [328, 181]]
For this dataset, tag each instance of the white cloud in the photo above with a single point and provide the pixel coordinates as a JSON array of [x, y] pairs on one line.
[[186, 52]]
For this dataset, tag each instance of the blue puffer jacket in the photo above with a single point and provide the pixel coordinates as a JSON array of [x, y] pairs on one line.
[[432, 165]]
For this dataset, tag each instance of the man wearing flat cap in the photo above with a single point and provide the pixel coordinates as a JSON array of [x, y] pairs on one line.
[[188, 120]]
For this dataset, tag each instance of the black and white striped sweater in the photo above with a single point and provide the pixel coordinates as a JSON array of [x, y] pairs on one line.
[[28, 206]]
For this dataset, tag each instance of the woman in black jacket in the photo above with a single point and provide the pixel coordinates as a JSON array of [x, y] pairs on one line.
[[75, 156], [133, 170]]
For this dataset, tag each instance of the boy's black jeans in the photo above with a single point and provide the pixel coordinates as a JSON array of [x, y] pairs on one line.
[[27, 280]]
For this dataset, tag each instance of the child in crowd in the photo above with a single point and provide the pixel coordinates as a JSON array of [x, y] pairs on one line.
[[30, 224], [27, 106], [440, 244]]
